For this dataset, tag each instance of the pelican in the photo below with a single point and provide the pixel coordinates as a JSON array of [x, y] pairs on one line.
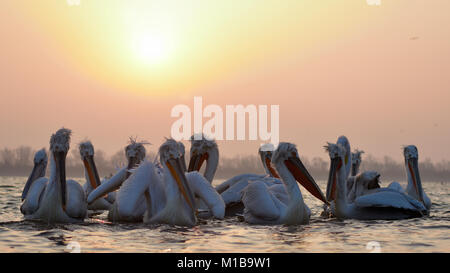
[[204, 149], [201, 150], [357, 184], [368, 182], [92, 178], [145, 192], [384, 204], [265, 154], [414, 188], [231, 190], [348, 161], [356, 161], [343, 141], [135, 153], [175, 192], [265, 205], [38, 172], [58, 200]]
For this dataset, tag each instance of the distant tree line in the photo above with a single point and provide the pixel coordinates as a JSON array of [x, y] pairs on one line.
[[19, 162]]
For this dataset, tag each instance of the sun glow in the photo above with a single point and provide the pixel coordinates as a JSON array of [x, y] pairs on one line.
[[152, 48], [170, 47]]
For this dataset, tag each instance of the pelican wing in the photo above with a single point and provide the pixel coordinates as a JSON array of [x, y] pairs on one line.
[[236, 179], [279, 191], [389, 198], [108, 186], [202, 188], [76, 200], [260, 203], [31, 202], [131, 199], [234, 193]]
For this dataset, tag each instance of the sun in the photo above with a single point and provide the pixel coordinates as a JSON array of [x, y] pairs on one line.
[[152, 48]]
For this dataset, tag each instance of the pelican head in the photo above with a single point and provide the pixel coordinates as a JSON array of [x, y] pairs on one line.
[[336, 151], [410, 152], [135, 153], [40, 157], [169, 149], [287, 154], [337, 154], [170, 156], [40, 165], [204, 149], [200, 149], [60, 141], [59, 146], [343, 140], [412, 168], [86, 149], [356, 161], [87, 156], [265, 153]]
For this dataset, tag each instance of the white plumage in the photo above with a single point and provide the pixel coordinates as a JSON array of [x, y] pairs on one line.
[[154, 196], [281, 204], [383, 204], [414, 187], [56, 200], [92, 177], [179, 190], [231, 189]]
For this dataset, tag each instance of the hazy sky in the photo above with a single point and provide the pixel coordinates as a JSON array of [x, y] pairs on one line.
[[113, 69]]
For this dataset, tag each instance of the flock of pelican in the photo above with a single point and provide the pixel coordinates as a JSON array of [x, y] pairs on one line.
[[168, 192]]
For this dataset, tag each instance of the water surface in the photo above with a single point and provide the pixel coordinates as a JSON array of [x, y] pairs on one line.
[[97, 234]]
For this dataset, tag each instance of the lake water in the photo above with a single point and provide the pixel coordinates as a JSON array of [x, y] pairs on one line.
[[428, 234]]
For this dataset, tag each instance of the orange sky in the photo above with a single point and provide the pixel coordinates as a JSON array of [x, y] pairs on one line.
[[378, 74]]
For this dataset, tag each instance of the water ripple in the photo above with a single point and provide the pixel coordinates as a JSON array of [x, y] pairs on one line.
[[97, 234]]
